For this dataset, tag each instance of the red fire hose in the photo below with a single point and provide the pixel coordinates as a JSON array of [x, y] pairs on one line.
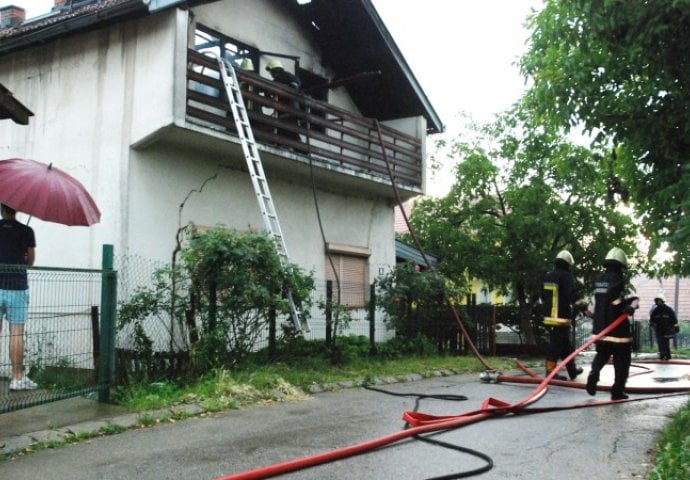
[[424, 423]]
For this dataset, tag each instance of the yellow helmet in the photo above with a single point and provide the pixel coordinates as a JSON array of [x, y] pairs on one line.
[[247, 64], [618, 255], [274, 64], [566, 257]]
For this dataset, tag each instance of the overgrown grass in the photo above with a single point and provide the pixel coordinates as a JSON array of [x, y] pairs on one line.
[[290, 370], [258, 380], [673, 450]]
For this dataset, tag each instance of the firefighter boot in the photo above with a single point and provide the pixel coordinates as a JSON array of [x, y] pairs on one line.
[[573, 370], [550, 365], [592, 380]]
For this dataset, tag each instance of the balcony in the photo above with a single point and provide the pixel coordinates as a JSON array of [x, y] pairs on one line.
[[346, 150]]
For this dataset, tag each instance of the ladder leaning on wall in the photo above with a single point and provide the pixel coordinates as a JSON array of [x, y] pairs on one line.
[[256, 172]]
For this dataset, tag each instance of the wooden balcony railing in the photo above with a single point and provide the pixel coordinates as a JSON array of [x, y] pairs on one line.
[[288, 119]]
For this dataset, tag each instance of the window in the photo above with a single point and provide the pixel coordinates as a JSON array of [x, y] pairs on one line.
[[351, 273], [210, 42]]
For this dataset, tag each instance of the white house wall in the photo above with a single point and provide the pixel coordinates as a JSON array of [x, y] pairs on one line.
[[96, 94], [81, 90], [163, 178]]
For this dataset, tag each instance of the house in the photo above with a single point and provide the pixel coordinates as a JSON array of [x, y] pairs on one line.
[[127, 99], [676, 290]]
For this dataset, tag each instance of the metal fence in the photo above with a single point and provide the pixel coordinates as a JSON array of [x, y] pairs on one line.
[[495, 329], [66, 339], [169, 345]]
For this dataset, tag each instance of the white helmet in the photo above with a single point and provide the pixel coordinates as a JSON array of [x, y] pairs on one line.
[[566, 257], [660, 296], [618, 255]]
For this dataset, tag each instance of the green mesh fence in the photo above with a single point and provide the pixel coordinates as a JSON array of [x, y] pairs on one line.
[[61, 338]]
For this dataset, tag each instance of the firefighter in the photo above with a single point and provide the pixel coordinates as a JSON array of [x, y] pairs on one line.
[[665, 324], [280, 75], [609, 304], [559, 296]]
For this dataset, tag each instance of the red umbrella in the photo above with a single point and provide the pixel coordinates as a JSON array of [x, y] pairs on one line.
[[46, 192]]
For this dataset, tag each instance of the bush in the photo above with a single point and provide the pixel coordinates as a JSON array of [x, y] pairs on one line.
[[416, 302], [218, 302]]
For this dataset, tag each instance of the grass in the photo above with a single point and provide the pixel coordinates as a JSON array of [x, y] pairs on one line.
[[251, 384], [672, 455]]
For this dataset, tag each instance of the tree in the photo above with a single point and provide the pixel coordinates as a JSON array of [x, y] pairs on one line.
[[621, 70], [521, 194]]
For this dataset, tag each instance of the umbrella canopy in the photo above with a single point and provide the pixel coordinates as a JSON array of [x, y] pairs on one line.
[[46, 192]]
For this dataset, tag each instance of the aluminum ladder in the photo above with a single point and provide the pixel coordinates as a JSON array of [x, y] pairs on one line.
[[256, 172]]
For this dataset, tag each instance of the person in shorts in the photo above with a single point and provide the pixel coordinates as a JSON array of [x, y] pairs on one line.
[[17, 249]]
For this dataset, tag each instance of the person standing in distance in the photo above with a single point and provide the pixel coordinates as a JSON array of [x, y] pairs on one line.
[[17, 248], [665, 323], [559, 295], [609, 304]]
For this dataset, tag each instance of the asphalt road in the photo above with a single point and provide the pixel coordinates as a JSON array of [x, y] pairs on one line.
[[604, 442]]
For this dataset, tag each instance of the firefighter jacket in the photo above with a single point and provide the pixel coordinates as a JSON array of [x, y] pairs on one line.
[[558, 295], [609, 304], [663, 319]]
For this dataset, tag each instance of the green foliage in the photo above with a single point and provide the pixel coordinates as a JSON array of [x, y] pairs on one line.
[[219, 300], [415, 302], [673, 451], [399, 347], [61, 377], [620, 70], [522, 193]]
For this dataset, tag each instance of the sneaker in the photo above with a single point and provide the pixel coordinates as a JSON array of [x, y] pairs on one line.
[[24, 383]]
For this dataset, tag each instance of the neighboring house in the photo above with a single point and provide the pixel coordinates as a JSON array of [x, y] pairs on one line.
[[479, 293], [676, 290], [127, 99]]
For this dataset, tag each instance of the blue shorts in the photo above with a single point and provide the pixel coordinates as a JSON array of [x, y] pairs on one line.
[[14, 304]]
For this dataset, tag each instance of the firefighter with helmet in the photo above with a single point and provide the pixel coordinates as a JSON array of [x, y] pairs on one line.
[[663, 319], [280, 75], [560, 298], [609, 305]]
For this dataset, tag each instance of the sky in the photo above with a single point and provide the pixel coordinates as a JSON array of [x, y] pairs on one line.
[[462, 52]]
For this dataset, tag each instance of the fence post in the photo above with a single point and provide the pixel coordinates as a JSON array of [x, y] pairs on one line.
[[329, 310], [272, 333], [106, 363], [372, 319]]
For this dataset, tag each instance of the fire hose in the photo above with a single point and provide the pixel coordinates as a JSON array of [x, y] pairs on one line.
[[424, 423], [421, 423]]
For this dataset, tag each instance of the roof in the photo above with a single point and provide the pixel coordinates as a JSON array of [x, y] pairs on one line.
[[406, 252], [12, 108], [352, 38]]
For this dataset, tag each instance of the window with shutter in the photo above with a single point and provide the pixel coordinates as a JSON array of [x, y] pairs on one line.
[[351, 275]]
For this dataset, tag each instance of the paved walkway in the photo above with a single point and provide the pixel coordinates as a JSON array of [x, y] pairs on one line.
[[54, 421]]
